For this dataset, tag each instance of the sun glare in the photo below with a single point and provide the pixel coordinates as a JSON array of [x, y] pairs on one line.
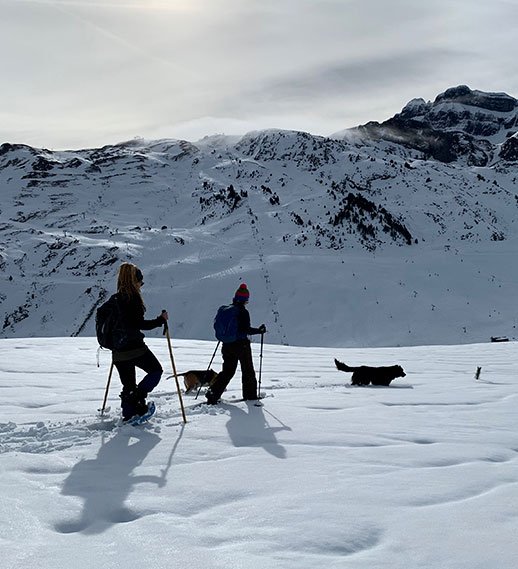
[[145, 5]]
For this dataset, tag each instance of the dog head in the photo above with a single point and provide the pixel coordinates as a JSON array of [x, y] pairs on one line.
[[398, 371]]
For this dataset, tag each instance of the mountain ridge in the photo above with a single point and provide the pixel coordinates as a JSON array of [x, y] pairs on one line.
[[307, 221], [459, 125]]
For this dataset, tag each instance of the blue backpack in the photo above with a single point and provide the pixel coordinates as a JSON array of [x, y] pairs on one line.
[[225, 324]]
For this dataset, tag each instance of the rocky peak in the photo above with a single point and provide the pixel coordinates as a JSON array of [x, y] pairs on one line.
[[461, 124], [499, 102], [460, 109]]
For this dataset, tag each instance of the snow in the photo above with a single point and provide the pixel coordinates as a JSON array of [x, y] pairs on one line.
[[421, 474], [70, 218]]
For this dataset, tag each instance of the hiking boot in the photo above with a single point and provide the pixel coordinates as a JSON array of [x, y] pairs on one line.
[[141, 408], [132, 403], [211, 399]]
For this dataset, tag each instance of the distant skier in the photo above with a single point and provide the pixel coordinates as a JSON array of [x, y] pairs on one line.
[[232, 327], [133, 352]]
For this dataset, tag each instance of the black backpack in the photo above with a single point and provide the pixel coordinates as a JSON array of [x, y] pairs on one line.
[[109, 327]]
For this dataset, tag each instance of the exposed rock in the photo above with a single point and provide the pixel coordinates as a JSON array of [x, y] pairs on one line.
[[509, 150], [454, 127]]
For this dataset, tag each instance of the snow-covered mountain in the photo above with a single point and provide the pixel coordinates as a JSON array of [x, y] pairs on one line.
[[402, 232]]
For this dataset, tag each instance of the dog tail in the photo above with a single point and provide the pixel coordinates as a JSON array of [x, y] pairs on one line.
[[342, 367]]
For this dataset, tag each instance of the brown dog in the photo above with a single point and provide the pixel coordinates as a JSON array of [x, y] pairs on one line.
[[196, 377], [364, 375]]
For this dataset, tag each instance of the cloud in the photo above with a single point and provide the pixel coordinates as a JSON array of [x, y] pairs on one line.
[[141, 5], [84, 70], [358, 77]]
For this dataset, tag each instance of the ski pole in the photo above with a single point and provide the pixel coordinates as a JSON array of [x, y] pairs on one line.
[[107, 389], [260, 366], [208, 367], [166, 332]]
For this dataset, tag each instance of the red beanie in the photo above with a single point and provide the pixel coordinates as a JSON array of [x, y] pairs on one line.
[[242, 294]]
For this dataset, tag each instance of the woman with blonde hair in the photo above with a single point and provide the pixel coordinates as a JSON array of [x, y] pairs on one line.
[[132, 352]]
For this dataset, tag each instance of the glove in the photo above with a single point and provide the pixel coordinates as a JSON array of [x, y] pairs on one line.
[[164, 316], [262, 328]]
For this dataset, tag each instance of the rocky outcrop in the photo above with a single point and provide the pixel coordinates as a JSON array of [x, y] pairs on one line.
[[460, 125], [499, 102], [509, 150]]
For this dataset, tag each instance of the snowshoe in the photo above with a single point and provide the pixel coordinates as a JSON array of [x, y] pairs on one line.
[[139, 419]]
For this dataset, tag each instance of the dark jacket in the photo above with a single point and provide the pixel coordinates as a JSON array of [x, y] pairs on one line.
[[243, 322], [132, 321]]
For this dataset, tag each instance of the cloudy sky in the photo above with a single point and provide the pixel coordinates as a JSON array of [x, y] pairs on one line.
[[82, 73]]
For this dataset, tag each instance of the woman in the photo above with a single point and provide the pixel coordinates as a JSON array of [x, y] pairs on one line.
[[134, 353], [237, 351]]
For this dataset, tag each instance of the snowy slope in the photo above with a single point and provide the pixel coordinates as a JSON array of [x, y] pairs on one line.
[[360, 239], [422, 474]]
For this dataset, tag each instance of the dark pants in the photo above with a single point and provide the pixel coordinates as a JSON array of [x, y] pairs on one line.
[[234, 353], [133, 396]]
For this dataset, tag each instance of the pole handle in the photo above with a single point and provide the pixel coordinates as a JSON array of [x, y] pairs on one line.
[[165, 323]]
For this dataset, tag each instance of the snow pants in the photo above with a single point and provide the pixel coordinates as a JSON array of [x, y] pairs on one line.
[[133, 396], [234, 353]]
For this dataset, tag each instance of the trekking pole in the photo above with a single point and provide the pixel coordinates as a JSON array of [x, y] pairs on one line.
[[107, 389], [208, 367], [166, 332], [260, 366]]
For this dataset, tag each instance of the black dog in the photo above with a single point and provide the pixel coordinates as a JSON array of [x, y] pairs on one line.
[[364, 375], [196, 377]]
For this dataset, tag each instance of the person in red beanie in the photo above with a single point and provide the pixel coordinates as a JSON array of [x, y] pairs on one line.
[[236, 349]]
